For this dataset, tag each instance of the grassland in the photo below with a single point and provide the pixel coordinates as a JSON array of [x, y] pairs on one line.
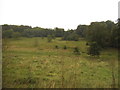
[[36, 63]]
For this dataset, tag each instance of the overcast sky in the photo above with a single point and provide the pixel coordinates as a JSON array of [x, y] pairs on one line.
[[67, 14]]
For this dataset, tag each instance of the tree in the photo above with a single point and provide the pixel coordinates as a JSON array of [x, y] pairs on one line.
[[81, 30], [100, 32], [71, 37], [94, 49], [5, 27], [59, 32], [116, 35], [7, 33], [16, 35]]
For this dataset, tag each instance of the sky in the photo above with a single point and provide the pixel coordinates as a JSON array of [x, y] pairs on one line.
[[67, 14]]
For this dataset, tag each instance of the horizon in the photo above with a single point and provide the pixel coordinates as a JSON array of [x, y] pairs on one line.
[[58, 27]]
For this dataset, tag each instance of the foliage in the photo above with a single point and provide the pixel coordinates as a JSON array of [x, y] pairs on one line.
[[59, 32], [53, 36], [105, 34], [81, 30], [7, 33], [56, 46], [87, 43], [71, 37], [15, 28], [76, 51], [16, 35], [49, 37], [94, 49], [116, 35], [65, 47], [101, 33]]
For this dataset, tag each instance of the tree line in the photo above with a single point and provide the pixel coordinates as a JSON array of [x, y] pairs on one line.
[[104, 34]]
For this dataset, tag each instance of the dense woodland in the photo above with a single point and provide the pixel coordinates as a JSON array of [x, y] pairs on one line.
[[105, 34]]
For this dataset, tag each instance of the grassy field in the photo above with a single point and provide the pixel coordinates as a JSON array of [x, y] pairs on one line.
[[36, 63]]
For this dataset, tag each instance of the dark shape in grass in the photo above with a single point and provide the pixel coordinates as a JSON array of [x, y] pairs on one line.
[[35, 61], [76, 51], [45, 79], [65, 47], [56, 46], [26, 80], [15, 56], [87, 43], [51, 72], [92, 75], [32, 81], [82, 72]]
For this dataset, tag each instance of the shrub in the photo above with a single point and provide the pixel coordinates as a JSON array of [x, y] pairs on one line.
[[16, 35], [71, 37], [7, 33], [76, 51], [87, 43], [94, 49], [65, 47], [49, 37], [56, 46]]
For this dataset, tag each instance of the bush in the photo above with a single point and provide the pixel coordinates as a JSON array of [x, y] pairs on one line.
[[16, 35], [56, 46], [53, 36], [76, 51], [71, 37], [87, 43], [65, 47], [7, 33], [49, 37], [94, 49]]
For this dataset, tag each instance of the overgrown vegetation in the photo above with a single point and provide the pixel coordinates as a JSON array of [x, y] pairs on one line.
[[56, 46], [49, 37], [94, 49], [76, 51], [105, 34], [26, 66], [65, 47], [53, 58]]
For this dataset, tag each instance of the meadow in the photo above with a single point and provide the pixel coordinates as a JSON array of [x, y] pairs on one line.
[[37, 63]]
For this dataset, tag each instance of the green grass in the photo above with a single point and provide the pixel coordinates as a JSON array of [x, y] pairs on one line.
[[36, 63]]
